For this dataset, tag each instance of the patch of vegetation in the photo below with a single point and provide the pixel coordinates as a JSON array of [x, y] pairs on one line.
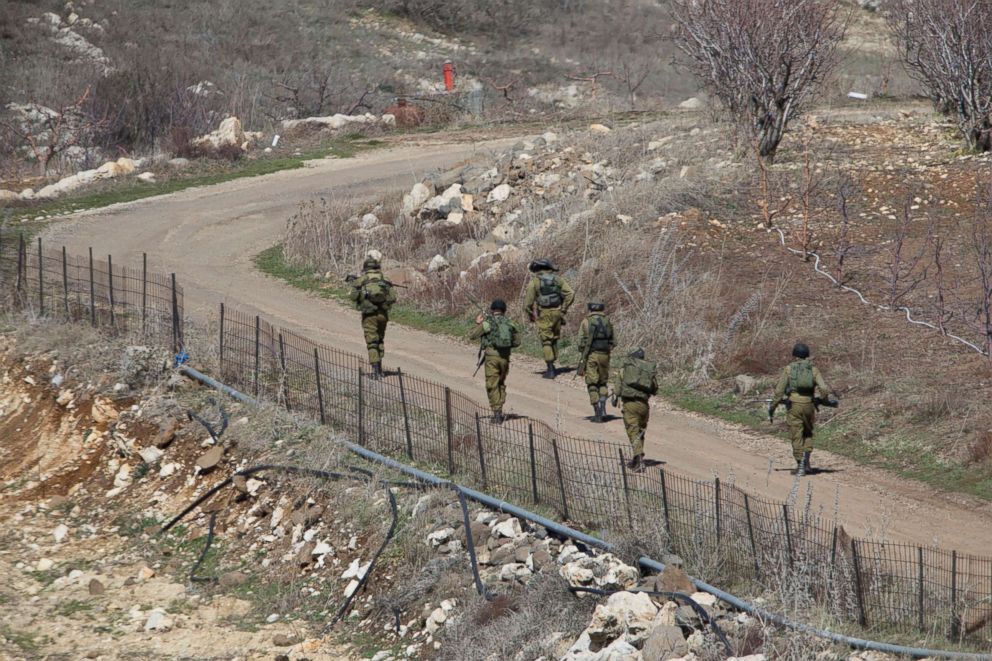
[[23, 640], [73, 607]]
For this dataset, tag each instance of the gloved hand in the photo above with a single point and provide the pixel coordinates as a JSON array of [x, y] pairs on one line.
[[615, 401], [833, 402], [771, 414]]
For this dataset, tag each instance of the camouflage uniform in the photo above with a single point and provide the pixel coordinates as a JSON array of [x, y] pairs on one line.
[[549, 319], [597, 356], [636, 411], [496, 365], [374, 317], [801, 411]]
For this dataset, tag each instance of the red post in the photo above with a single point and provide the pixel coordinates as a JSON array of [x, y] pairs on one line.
[[449, 76]]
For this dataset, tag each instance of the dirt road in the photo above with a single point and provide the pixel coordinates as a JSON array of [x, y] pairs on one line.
[[209, 237]]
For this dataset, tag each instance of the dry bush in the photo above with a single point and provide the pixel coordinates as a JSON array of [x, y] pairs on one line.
[[980, 449]]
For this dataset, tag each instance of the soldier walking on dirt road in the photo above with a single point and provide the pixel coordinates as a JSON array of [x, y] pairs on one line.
[[498, 337], [634, 384], [797, 389], [595, 343], [373, 295], [552, 296]]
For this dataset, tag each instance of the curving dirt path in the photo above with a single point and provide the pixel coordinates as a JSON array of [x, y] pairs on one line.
[[209, 237]]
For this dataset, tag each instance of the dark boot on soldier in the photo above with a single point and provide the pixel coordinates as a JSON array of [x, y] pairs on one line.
[[377, 371], [602, 409], [551, 372], [800, 468], [637, 463], [596, 415], [498, 417], [807, 469]]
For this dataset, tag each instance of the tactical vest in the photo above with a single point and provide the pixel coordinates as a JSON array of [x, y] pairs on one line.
[[801, 378], [600, 333], [548, 291], [637, 379], [502, 335]]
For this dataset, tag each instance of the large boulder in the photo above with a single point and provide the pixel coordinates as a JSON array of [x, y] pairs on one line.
[[695, 103], [665, 642], [229, 135], [416, 198], [602, 571], [9, 197], [334, 122]]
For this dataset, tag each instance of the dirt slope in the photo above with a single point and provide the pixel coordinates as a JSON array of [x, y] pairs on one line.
[[209, 237]]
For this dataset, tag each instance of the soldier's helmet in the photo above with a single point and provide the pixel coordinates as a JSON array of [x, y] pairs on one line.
[[498, 305], [800, 350], [596, 306], [542, 265], [637, 353], [370, 263]]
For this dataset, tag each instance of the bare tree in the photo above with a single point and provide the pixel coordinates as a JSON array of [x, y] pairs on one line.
[[764, 59], [947, 47], [48, 133], [845, 191], [981, 251], [907, 268]]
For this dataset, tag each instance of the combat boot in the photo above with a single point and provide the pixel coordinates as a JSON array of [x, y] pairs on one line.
[[597, 416], [637, 463], [807, 469], [377, 371], [602, 408], [551, 372], [498, 417], [800, 468]]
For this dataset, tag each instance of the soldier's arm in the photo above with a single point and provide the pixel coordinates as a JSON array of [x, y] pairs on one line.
[[583, 336], [479, 331], [530, 296], [356, 289], [654, 385], [609, 325], [568, 295], [780, 388], [825, 390]]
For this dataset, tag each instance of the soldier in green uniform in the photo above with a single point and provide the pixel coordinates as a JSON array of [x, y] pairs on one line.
[[596, 343], [796, 389], [498, 337], [634, 385], [373, 295], [552, 296]]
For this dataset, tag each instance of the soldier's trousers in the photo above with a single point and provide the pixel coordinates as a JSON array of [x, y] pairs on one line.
[[549, 330], [800, 418], [635, 420], [597, 375], [497, 367], [374, 327]]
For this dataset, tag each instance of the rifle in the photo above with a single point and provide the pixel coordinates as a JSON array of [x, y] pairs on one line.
[[829, 402], [482, 359], [351, 278]]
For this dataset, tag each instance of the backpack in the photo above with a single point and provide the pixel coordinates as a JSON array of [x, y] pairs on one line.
[[801, 378], [638, 376], [502, 333], [600, 334], [376, 291], [548, 291]]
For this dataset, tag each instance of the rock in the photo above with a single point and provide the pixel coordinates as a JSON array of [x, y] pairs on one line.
[[8, 197], [166, 436], [168, 469], [435, 620], [550, 138], [334, 122], [602, 571], [761, 657], [665, 642], [743, 384], [480, 533], [158, 620], [147, 177], [95, 587], [229, 135], [694, 103], [285, 640], [151, 454], [636, 612], [704, 598], [209, 459], [322, 548], [232, 579], [145, 573], [65, 398], [416, 198], [499, 194], [369, 221], [103, 411], [673, 579], [509, 528], [179, 163], [60, 533], [437, 264], [356, 569], [44, 564], [541, 559]]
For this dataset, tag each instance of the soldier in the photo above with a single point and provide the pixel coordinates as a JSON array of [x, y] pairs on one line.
[[634, 385], [553, 296], [796, 389], [498, 337], [596, 343], [373, 295]]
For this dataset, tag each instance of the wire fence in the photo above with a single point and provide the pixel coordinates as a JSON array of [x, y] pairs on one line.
[[719, 528]]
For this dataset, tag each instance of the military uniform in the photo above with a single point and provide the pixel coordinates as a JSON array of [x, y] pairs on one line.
[[801, 410], [636, 410], [496, 363], [374, 316], [549, 317], [595, 343]]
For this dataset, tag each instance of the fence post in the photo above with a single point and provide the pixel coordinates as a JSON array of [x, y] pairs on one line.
[[716, 501], [955, 625], [41, 281], [919, 586], [448, 430], [20, 266], [482, 453], [65, 281], [92, 292], [110, 290], [258, 332], [750, 533], [177, 327], [361, 407], [788, 531], [282, 363], [626, 486], [406, 415], [320, 388], [858, 587], [664, 504], [144, 301], [561, 478], [533, 464], [220, 336]]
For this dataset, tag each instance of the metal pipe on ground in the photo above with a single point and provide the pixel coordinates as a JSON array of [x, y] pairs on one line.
[[649, 563]]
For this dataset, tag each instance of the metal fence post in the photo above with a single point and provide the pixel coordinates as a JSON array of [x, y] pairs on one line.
[[258, 332], [144, 300], [447, 426], [858, 587], [750, 533], [220, 335], [282, 363], [320, 388], [406, 415], [664, 503], [41, 281], [361, 407], [20, 265], [65, 282], [788, 532], [482, 453], [955, 625], [626, 486], [716, 501], [919, 586], [533, 464], [177, 325], [110, 290], [561, 478], [92, 292]]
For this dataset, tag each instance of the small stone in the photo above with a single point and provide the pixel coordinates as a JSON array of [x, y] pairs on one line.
[[704, 599], [60, 533], [509, 528], [284, 640], [499, 194], [147, 177], [95, 587], [665, 642], [167, 469], [158, 621], [44, 564], [232, 579], [209, 459], [673, 579], [271, 619], [150, 455], [322, 548], [145, 573], [599, 129]]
